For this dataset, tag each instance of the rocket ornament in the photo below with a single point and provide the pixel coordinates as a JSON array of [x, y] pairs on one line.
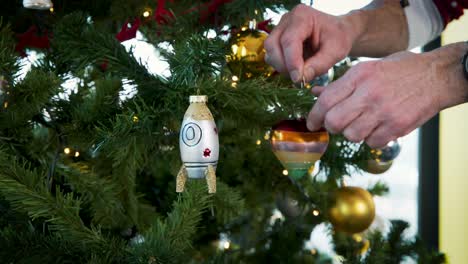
[[199, 145]]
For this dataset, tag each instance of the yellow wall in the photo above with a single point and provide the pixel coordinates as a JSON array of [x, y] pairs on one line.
[[454, 167]]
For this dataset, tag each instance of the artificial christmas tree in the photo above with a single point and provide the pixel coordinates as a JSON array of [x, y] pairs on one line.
[[89, 176]]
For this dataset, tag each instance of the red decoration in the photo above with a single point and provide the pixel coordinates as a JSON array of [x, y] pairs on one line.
[[295, 125], [32, 38], [264, 26], [161, 14], [207, 152], [126, 32], [450, 9], [211, 8]]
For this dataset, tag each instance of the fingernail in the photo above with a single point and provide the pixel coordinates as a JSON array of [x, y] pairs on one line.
[[310, 73], [295, 76]]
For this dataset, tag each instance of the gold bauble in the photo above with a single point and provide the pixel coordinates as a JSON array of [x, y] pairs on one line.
[[375, 166], [352, 210], [247, 56]]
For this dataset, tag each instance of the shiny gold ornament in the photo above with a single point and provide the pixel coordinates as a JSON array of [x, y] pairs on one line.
[[352, 210], [375, 167], [247, 56]]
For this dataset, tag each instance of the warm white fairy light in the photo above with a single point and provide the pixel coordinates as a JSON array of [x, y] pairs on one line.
[[226, 244], [315, 212], [285, 172], [66, 150], [77, 154]]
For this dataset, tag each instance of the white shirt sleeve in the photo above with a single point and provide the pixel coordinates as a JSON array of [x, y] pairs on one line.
[[424, 22]]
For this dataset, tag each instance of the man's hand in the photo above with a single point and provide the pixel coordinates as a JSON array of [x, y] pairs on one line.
[[379, 101], [306, 43]]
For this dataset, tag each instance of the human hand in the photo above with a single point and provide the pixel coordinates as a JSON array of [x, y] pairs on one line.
[[306, 43], [379, 101]]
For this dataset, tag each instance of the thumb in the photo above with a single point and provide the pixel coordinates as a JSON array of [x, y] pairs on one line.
[[320, 62]]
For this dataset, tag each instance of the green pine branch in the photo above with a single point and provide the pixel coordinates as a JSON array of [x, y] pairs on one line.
[[26, 191], [169, 241], [100, 195], [9, 64]]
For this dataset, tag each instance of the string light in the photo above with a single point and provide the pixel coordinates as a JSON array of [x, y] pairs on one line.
[[267, 135], [135, 119], [235, 79], [226, 244], [259, 142], [313, 251], [146, 14], [66, 150], [285, 172], [77, 154], [315, 212], [51, 9]]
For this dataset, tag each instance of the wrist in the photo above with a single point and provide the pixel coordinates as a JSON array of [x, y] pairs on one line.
[[448, 75], [354, 24], [377, 30]]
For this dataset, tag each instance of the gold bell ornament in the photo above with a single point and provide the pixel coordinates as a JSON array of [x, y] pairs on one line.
[[199, 145]]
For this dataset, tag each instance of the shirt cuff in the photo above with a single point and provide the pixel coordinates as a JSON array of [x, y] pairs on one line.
[[424, 22]]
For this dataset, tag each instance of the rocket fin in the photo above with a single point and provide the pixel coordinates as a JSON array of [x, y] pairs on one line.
[[181, 179], [211, 179]]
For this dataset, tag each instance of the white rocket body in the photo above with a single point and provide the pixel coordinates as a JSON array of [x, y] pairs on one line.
[[198, 139]]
